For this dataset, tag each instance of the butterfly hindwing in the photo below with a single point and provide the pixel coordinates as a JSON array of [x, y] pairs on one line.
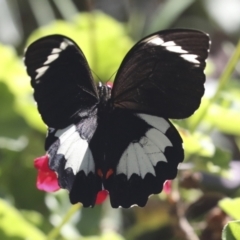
[[72, 159], [163, 74], [140, 153], [62, 81]]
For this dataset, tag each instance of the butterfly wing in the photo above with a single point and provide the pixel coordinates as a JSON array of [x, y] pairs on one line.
[[161, 77], [163, 74], [71, 158], [142, 152], [66, 97], [63, 85]]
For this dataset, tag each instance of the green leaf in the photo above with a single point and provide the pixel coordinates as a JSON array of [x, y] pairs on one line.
[[219, 115], [231, 207], [13, 226], [197, 143], [226, 120], [231, 231]]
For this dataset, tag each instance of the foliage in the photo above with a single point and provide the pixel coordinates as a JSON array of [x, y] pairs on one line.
[[21, 229], [231, 231]]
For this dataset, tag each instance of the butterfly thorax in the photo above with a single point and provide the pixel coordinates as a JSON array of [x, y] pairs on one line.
[[104, 92]]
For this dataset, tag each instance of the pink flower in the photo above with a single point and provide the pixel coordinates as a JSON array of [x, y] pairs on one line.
[[46, 179], [167, 187]]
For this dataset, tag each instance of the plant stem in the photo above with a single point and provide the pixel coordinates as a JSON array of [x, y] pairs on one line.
[[224, 79], [55, 231]]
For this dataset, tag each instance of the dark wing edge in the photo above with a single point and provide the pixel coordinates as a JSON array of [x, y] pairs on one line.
[[63, 85], [166, 69]]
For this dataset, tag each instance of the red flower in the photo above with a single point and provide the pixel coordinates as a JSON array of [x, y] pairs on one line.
[[47, 179], [101, 196], [167, 187]]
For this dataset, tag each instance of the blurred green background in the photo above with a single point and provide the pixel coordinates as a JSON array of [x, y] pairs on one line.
[[204, 197]]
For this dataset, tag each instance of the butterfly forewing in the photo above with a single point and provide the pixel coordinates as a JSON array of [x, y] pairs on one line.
[[63, 85], [163, 74]]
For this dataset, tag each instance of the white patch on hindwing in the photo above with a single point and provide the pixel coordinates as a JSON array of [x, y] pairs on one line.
[[157, 122], [141, 157], [158, 138], [75, 150]]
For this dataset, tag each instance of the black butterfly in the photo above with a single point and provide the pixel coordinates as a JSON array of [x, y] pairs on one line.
[[117, 139]]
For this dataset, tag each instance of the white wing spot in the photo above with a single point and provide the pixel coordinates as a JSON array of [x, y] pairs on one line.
[[176, 49], [40, 71], [168, 44], [172, 47], [56, 50], [63, 45], [190, 58], [51, 58], [155, 41]]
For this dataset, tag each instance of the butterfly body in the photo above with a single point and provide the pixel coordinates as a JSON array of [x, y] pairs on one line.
[[119, 139]]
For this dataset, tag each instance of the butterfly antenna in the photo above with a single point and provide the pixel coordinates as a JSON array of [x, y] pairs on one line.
[[98, 78], [110, 79]]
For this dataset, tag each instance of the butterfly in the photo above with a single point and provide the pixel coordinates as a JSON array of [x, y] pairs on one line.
[[119, 139]]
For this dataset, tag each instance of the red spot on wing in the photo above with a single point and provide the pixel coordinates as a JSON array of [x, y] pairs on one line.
[[99, 173], [109, 173]]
